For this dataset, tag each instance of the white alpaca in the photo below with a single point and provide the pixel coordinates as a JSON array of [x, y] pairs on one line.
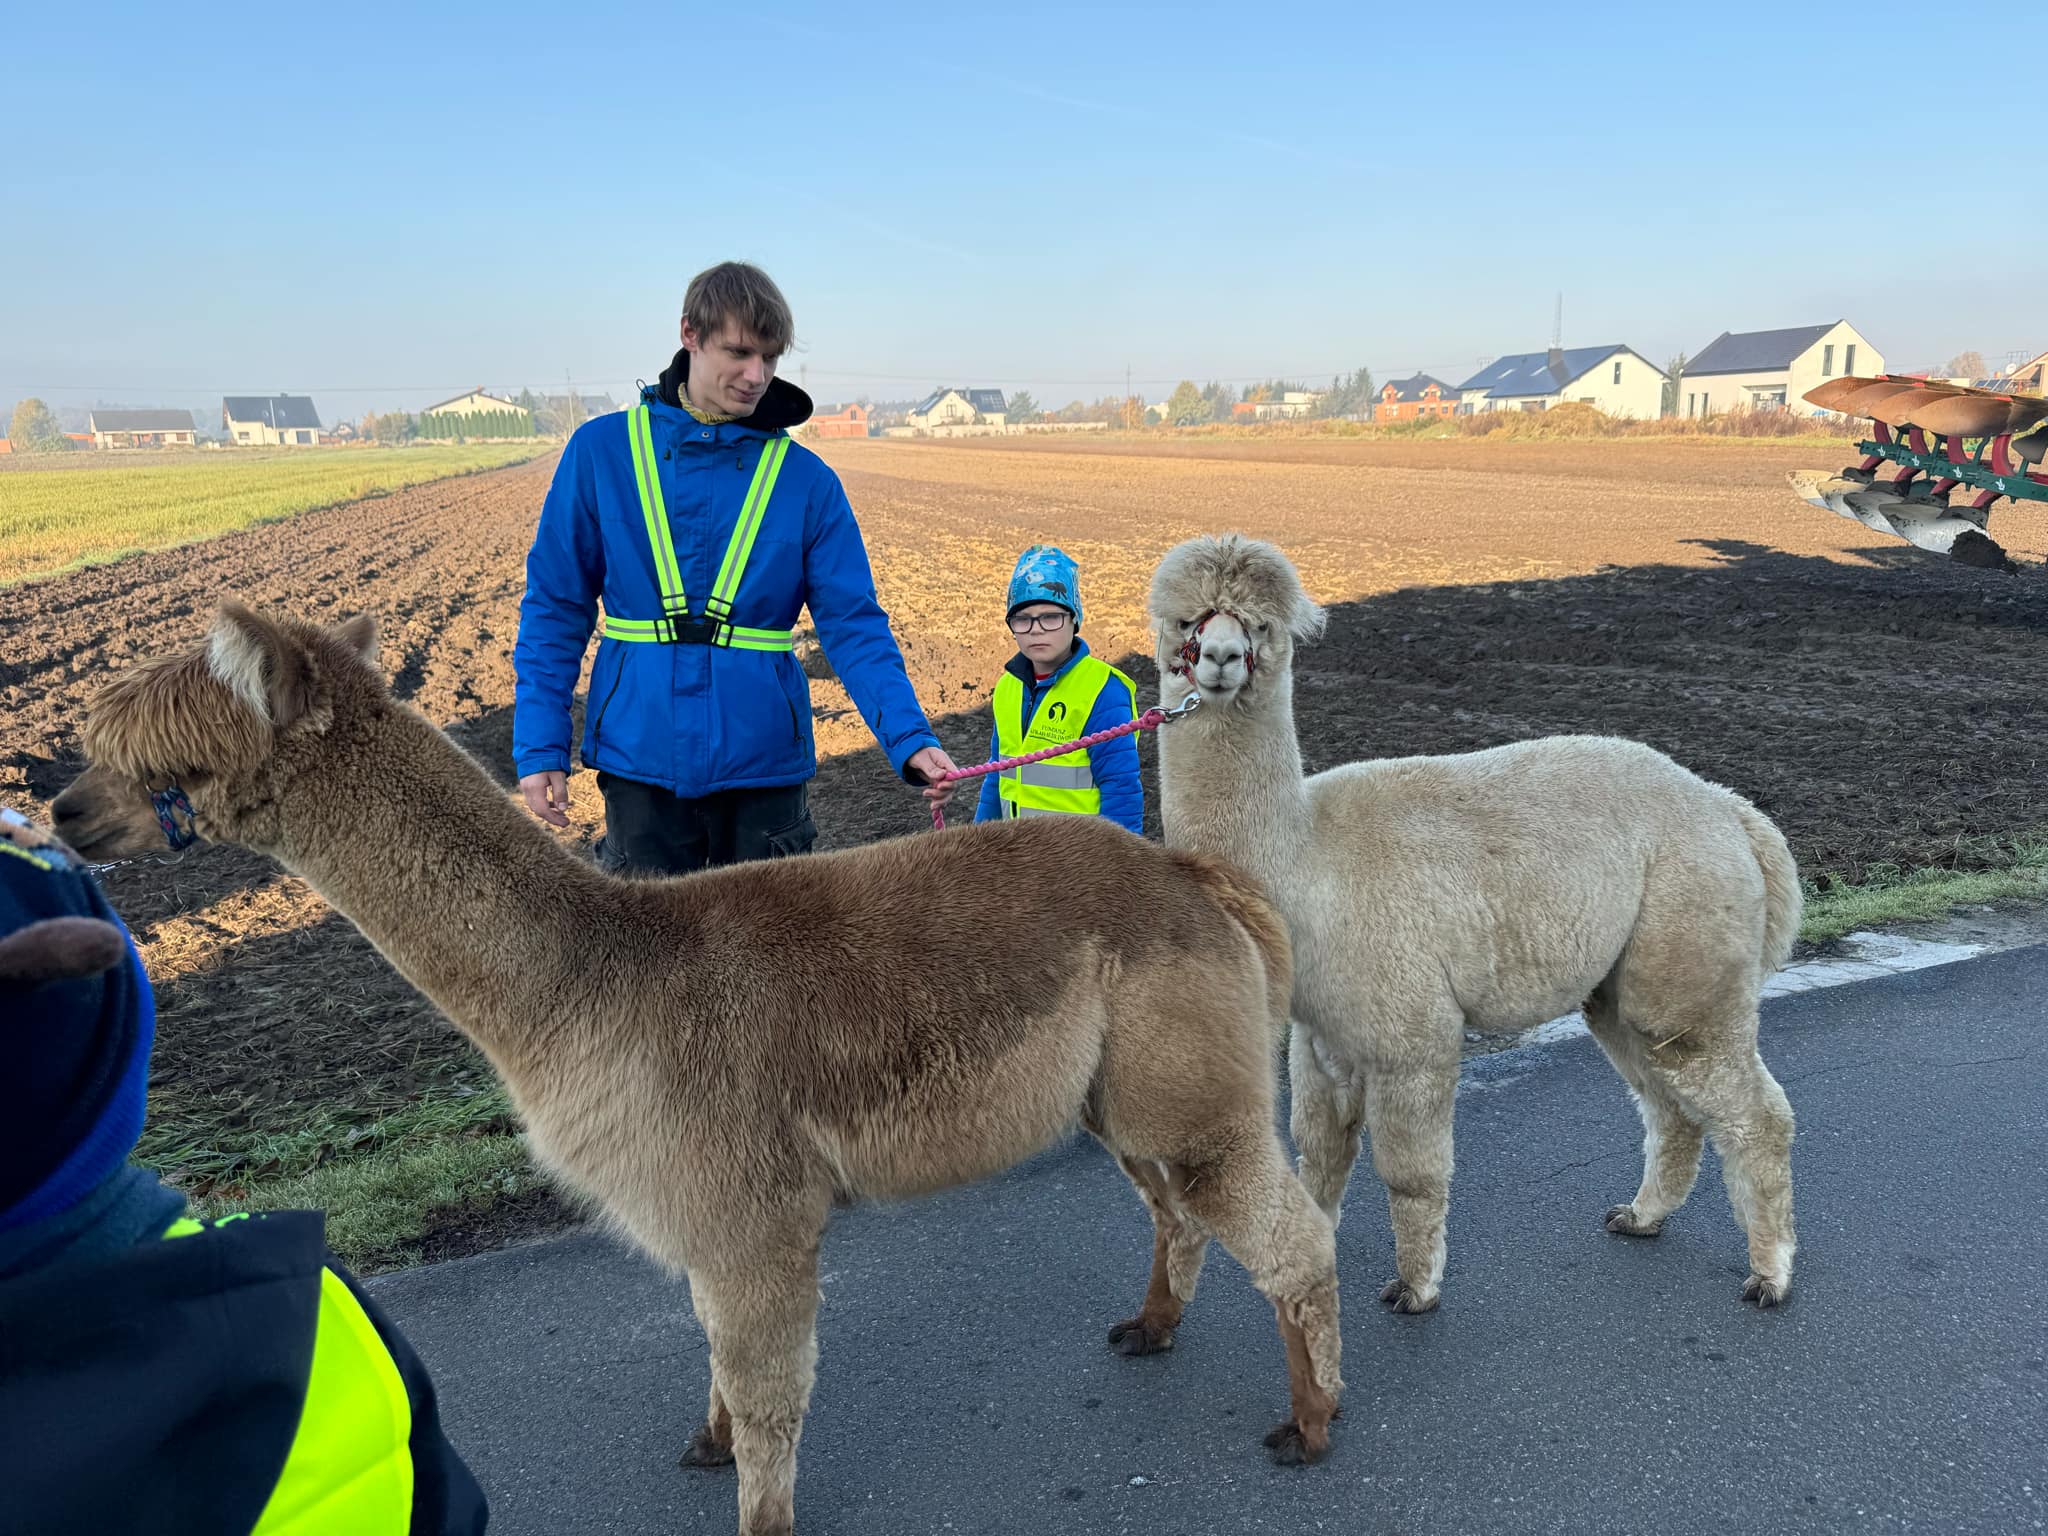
[[1489, 890]]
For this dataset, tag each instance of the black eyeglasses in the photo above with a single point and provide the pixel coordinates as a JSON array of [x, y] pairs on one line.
[[1025, 623]]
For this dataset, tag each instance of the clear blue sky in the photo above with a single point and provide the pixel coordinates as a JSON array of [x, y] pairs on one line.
[[382, 206]]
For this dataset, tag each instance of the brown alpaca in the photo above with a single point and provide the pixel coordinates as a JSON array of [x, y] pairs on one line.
[[716, 1059]]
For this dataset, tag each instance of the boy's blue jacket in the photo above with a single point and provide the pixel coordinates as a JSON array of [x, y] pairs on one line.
[[1113, 763], [695, 719]]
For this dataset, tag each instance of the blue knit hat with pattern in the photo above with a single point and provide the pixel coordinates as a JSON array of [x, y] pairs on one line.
[[77, 1019], [1046, 574]]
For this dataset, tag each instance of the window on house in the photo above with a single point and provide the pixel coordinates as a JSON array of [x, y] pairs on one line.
[[1827, 361], [1849, 358], [1617, 370]]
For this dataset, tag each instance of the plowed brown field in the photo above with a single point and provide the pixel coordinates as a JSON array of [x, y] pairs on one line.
[[1882, 705]]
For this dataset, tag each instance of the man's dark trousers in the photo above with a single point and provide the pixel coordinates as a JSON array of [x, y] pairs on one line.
[[648, 831]]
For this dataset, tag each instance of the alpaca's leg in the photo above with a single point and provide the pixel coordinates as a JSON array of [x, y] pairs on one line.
[[1671, 1137], [1178, 1247], [1326, 1115], [710, 1443], [759, 1309], [1408, 1109], [1260, 1211], [1750, 1122]]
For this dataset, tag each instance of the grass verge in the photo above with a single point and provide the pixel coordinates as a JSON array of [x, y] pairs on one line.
[[386, 1209], [407, 1186], [58, 521], [2017, 871]]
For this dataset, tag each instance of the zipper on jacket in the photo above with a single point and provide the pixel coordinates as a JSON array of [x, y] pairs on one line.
[[796, 732], [605, 708]]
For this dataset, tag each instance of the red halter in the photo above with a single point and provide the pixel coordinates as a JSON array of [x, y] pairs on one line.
[[1190, 652]]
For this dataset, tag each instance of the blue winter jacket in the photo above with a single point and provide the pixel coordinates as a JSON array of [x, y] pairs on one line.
[[695, 719], [1113, 764]]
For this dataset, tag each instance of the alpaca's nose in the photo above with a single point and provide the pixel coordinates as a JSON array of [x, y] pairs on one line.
[[1223, 654]]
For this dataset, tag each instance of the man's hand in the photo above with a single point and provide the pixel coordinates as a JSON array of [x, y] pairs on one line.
[[929, 763], [547, 795]]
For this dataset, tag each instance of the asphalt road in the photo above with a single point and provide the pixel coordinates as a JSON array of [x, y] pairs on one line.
[[1572, 1380]]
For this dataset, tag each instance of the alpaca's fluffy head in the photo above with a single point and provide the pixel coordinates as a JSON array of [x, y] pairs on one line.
[[1225, 613], [208, 722]]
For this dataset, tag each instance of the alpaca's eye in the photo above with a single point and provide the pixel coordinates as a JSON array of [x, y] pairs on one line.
[[1187, 626], [1261, 628]]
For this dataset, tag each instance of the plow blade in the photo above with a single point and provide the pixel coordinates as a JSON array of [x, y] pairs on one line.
[[1922, 524]]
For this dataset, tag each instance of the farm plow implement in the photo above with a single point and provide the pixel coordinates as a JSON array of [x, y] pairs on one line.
[[1938, 458]]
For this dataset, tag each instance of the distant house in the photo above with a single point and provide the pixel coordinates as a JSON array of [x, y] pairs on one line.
[[2027, 378], [1616, 380], [564, 413], [143, 429], [850, 422], [475, 403], [271, 421], [1772, 370], [959, 408], [1409, 399]]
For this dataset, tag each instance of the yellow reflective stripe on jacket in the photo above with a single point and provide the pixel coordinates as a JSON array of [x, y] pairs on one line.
[[738, 549], [741, 546], [1062, 785], [349, 1470], [732, 636], [668, 575]]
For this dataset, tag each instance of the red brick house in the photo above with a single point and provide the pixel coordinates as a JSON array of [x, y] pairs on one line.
[[850, 422], [1407, 399]]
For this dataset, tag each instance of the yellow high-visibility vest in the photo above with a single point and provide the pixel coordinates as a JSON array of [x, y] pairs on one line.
[[714, 625], [349, 1470], [1063, 785]]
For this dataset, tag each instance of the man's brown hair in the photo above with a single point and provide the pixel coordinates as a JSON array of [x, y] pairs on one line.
[[743, 293]]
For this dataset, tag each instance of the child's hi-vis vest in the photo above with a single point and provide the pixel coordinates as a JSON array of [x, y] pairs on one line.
[[1061, 785]]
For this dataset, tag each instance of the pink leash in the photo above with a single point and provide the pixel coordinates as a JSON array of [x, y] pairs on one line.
[[1151, 720]]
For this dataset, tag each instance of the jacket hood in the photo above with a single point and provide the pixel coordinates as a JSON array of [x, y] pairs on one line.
[[782, 406]]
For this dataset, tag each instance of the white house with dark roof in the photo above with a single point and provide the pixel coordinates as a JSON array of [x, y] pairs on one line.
[[1773, 370], [475, 403], [143, 429], [1618, 381], [270, 421], [959, 408]]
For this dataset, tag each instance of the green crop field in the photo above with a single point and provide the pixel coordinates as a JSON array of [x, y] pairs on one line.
[[92, 507]]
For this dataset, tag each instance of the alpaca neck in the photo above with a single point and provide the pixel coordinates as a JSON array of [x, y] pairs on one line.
[[1230, 783], [472, 902]]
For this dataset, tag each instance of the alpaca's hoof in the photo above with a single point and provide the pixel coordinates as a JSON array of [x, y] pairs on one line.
[[1399, 1295], [1764, 1294], [1292, 1447], [705, 1450], [1622, 1219], [1136, 1336]]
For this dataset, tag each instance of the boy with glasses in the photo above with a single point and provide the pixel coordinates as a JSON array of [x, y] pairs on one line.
[[1055, 691]]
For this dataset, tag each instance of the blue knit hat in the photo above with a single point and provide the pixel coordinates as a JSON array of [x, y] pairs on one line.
[[77, 1019], [1046, 574]]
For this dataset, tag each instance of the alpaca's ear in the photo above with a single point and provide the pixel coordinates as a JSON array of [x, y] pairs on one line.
[[359, 632], [1309, 618], [262, 665]]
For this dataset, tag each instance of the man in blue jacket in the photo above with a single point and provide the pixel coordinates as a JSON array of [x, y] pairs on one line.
[[705, 532]]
